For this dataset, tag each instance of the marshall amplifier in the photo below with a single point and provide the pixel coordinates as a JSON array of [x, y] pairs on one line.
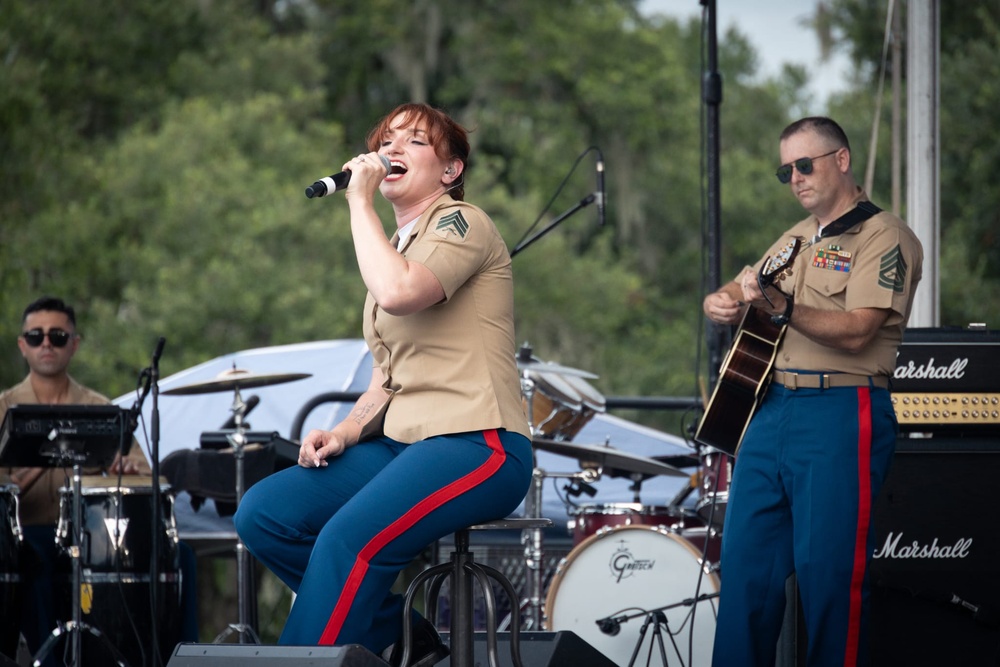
[[947, 380], [936, 570]]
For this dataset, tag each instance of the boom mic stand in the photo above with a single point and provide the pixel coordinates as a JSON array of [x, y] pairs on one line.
[[586, 201], [597, 197], [611, 625]]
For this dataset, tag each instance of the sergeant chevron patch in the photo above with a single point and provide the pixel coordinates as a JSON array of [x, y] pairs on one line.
[[453, 223], [892, 272]]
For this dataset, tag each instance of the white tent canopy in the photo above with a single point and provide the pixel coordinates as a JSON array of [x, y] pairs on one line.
[[345, 366]]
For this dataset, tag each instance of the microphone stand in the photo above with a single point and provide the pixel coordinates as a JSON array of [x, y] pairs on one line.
[[154, 569], [586, 201], [152, 375], [611, 625]]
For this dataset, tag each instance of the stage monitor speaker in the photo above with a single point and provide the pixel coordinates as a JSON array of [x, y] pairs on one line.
[[538, 649], [935, 589], [238, 655]]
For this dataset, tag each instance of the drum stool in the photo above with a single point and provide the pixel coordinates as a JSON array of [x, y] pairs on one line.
[[462, 568]]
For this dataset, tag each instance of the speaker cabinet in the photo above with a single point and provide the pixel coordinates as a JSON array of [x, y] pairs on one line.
[[935, 581], [238, 655], [538, 649]]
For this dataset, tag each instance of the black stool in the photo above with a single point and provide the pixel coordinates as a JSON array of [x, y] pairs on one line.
[[462, 568]]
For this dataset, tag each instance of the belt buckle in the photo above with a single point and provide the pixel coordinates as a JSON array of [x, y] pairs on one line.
[[824, 381], [791, 380]]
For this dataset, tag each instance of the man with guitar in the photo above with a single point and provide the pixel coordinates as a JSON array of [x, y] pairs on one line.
[[818, 446]]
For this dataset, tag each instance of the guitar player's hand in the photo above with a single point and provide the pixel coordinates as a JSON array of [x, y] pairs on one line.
[[724, 306]]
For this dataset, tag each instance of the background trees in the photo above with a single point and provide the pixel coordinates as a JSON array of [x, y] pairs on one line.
[[154, 156]]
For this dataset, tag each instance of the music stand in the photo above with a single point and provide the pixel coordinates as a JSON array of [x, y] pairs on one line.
[[61, 436]]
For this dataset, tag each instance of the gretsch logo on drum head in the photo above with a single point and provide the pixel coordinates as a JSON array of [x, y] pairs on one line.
[[623, 564]]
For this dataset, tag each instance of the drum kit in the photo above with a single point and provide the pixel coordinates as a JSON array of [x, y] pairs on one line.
[[115, 536], [657, 564]]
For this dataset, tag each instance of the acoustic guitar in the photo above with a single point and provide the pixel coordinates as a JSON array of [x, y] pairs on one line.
[[747, 368]]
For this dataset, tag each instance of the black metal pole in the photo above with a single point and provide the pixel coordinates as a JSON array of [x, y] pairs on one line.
[[154, 566], [718, 335]]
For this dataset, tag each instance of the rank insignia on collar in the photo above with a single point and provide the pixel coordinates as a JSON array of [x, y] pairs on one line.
[[832, 258], [453, 223]]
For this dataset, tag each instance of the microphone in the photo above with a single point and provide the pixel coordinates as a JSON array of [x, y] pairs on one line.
[[609, 626], [600, 197], [158, 352], [248, 405], [331, 184]]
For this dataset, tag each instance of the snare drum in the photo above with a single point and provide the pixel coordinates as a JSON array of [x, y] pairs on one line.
[[590, 519], [625, 570], [116, 553], [555, 405], [11, 539], [714, 476]]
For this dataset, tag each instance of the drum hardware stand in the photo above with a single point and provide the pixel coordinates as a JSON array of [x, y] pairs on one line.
[[611, 625], [75, 626], [532, 537], [238, 440]]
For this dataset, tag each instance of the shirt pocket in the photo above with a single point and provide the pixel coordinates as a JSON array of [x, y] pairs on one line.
[[826, 283]]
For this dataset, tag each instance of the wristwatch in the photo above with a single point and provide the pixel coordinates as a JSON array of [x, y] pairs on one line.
[[782, 320]]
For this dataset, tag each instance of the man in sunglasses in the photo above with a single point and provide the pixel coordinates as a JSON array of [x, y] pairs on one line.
[[819, 445], [48, 342]]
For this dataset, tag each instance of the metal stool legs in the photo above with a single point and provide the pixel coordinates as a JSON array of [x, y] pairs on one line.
[[463, 569]]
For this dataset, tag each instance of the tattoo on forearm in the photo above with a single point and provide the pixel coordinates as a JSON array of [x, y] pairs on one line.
[[363, 412]]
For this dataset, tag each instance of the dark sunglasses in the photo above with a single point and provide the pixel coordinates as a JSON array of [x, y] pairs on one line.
[[803, 164], [36, 337]]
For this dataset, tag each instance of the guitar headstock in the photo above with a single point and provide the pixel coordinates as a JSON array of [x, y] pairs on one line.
[[775, 267]]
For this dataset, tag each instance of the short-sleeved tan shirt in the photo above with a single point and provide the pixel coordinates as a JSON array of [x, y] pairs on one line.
[[39, 504], [874, 264], [451, 368]]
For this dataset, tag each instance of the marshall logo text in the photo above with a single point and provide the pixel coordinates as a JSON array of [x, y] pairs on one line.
[[892, 549], [928, 371]]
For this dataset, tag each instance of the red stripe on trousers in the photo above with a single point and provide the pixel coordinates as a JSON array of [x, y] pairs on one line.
[[401, 525], [864, 518]]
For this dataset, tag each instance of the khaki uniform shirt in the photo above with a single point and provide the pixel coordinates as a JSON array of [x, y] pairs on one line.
[[874, 264], [39, 503], [451, 367]]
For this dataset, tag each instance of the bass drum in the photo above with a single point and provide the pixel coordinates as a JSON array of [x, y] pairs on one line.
[[624, 571]]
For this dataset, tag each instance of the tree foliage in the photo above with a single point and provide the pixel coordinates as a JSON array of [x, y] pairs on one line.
[[154, 156]]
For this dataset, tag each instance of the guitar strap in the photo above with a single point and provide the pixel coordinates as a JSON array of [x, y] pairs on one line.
[[858, 214]]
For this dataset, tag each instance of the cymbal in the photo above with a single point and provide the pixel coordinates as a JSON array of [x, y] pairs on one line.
[[534, 365], [233, 379], [612, 461]]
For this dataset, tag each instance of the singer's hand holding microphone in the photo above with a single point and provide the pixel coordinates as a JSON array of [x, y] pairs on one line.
[[340, 181]]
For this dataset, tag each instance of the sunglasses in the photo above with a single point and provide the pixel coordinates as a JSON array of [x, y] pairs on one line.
[[803, 164], [36, 337]]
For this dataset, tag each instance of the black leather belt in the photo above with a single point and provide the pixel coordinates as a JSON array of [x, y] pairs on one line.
[[827, 380]]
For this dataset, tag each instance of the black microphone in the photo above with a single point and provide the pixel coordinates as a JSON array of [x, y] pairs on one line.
[[331, 184], [158, 352], [609, 626], [248, 405], [601, 217]]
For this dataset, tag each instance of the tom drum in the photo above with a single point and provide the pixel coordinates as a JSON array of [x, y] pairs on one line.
[[116, 552]]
